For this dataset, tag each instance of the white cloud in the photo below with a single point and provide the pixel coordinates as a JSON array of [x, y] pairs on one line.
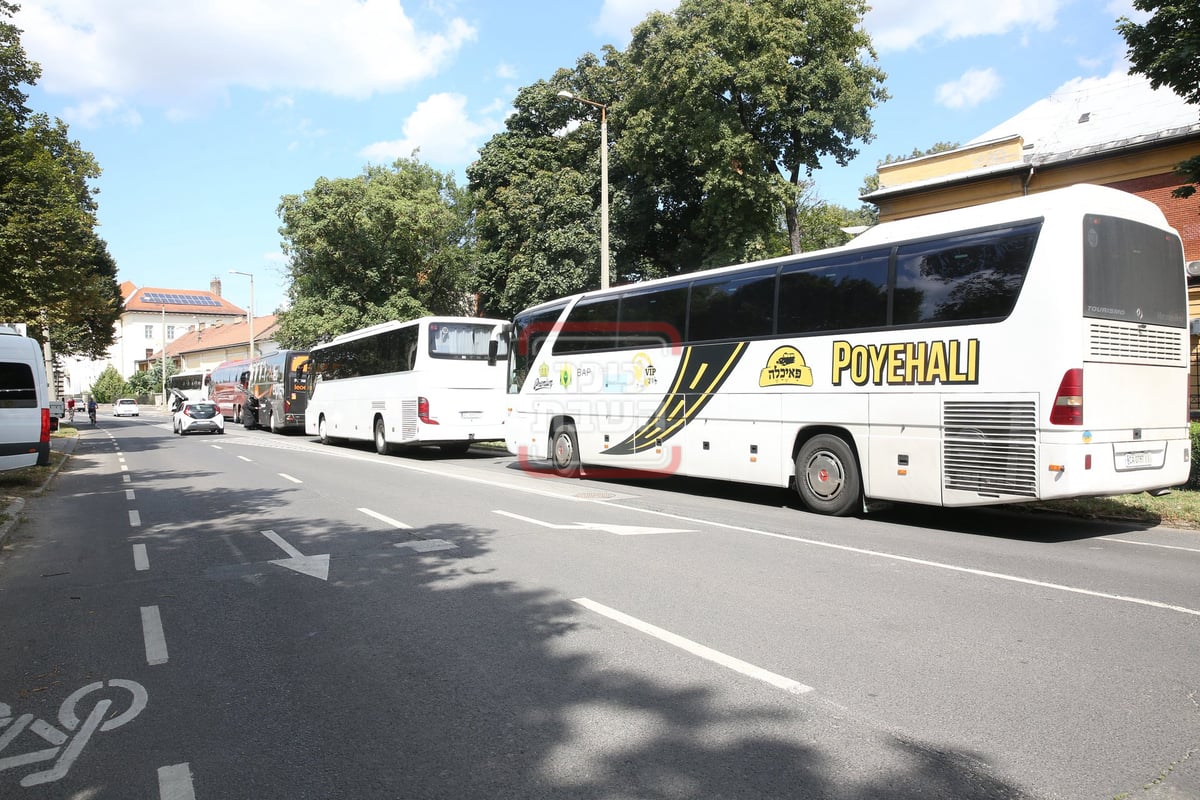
[[506, 71], [179, 55], [902, 24], [975, 86], [441, 129], [618, 17]]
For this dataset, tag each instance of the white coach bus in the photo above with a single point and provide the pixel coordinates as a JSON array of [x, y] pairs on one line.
[[426, 381], [1032, 348]]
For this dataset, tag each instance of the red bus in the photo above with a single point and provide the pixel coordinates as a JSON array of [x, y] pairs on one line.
[[228, 388]]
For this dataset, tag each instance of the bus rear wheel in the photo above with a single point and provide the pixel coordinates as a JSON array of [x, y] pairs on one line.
[[323, 431], [564, 450], [381, 444], [827, 476]]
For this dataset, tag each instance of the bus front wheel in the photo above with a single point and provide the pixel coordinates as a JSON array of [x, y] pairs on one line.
[[564, 451], [827, 476]]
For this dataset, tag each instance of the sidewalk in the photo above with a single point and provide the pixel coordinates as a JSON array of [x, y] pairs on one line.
[[12, 507]]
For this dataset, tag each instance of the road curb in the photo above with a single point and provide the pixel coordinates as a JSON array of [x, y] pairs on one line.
[[17, 504]]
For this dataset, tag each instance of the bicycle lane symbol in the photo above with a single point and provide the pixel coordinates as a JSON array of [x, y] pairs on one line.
[[68, 743]]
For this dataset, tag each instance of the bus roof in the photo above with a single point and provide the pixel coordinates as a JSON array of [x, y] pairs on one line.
[[392, 325]]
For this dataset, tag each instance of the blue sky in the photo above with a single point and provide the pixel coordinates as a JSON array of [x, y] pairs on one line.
[[202, 115]]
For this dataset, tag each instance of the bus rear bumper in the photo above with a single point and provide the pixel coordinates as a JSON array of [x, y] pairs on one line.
[[1109, 468]]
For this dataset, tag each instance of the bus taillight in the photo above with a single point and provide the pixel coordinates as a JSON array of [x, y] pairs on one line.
[[1068, 403], [423, 411]]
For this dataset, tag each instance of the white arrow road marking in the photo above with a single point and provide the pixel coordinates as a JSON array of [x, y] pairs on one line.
[[316, 566], [619, 530]]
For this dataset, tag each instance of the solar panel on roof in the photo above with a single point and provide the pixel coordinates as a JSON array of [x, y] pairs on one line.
[[174, 299]]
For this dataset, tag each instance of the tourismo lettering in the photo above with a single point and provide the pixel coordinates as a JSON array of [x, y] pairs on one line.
[[906, 363]]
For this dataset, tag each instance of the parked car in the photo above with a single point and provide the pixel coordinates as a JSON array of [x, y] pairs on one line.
[[125, 407], [194, 416]]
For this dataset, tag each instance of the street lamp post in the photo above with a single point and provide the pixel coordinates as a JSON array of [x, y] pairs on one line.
[[249, 275], [603, 181]]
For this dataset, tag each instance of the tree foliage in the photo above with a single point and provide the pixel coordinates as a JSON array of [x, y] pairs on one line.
[[58, 272], [149, 381], [734, 104], [536, 191], [109, 385], [392, 243], [1166, 49], [717, 115]]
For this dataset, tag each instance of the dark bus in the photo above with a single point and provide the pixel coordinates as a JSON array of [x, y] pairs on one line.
[[277, 391]]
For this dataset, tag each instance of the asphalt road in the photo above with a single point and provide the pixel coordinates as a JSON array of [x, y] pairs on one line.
[[259, 616]]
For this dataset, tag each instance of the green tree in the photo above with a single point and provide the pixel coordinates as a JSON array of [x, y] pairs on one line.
[[730, 106], [149, 381], [392, 243], [536, 194], [109, 385], [58, 272], [1166, 49]]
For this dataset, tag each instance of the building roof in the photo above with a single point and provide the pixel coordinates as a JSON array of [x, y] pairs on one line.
[[1097, 115], [216, 337], [1084, 118], [176, 301]]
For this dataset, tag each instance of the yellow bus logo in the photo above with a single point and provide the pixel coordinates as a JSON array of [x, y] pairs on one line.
[[785, 367]]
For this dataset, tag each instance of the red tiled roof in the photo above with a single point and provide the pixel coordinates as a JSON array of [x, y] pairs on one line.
[[179, 302], [229, 334]]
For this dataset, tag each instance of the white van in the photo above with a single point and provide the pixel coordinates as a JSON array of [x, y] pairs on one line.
[[24, 405]]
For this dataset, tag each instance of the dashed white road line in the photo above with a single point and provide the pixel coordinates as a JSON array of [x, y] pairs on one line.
[[129, 494], [135, 519], [696, 649], [175, 782], [395, 523], [141, 561], [152, 633], [243, 458], [287, 477]]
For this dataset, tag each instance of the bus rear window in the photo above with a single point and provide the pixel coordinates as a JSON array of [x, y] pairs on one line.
[[1132, 272], [17, 388], [461, 340]]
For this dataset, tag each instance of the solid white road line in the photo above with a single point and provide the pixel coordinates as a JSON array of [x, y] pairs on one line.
[[152, 633], [1150, 544], [729, 662], [141, 561], [393, 522], [920, 561], [175, 782]]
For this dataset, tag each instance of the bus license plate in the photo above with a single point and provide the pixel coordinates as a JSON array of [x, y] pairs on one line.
[[1140, 459]]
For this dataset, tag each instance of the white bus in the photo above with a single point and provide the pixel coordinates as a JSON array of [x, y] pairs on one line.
[[193, 383], [426, 381], [1032, 348]]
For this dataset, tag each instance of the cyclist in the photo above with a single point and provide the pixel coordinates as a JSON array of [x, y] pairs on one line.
[[71, 408], [92, 409]]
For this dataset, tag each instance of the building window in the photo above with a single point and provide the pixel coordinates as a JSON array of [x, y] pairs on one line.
[[149, 331], [170, 331]]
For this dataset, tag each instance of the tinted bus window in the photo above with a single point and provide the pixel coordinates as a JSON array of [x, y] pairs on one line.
[[530, 332], [591, 326], [1132, 272], [973, 276], [841, 293], [739, 306], [653, 318]]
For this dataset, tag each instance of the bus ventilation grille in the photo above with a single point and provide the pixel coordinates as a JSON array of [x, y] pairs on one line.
[[1134, 343], [990, 447], [408, 420]]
